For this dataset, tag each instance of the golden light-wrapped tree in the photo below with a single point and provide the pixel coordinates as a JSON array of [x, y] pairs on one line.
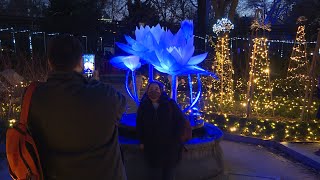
[[259, 93], [224, 90]]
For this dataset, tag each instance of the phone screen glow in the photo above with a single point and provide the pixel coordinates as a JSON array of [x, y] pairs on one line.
[[88, 64]]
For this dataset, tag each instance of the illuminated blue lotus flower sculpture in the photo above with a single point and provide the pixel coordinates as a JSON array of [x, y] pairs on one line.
[[168, 53], [147, 40], [130, 63]]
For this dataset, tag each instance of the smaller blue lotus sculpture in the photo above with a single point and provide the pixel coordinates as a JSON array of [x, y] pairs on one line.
[[130, 63], [167, 52]]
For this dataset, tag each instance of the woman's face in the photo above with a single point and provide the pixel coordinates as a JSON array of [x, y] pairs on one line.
[[154, 92]]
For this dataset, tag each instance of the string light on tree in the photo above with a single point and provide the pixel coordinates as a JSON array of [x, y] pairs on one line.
[[298, 66], [259, 95], [296, 85], [224, 69], [222, 66], [259, 90]]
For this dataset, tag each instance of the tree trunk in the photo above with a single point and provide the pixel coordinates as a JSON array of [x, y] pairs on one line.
[[217, 7], [312, 74], [220, 8], [233, 8], [202, 21]]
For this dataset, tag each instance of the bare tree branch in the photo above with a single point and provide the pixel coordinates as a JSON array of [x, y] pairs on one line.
[[233, 8], [193, 4]]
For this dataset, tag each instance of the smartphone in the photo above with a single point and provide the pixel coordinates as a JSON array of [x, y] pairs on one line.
[[88, 64]]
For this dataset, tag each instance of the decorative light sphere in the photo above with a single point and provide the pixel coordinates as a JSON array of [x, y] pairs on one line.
[[222, 25]]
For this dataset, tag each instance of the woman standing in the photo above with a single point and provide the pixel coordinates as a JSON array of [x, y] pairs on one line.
[[160, 126]]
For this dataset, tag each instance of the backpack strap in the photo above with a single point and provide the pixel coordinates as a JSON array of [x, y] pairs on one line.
[[26, 103]]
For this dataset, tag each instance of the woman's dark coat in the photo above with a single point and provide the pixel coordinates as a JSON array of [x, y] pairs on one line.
[[160, 131]]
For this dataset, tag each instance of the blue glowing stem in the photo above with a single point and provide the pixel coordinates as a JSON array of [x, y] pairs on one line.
[[190, 88], [174, 87], [127, 87], [134, 85], [150, 72], [198, 94]]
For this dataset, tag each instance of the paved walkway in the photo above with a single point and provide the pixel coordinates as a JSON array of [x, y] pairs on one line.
[[247, 162], [306, 149], [251, 162]]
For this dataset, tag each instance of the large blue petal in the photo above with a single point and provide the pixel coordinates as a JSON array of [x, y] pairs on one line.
[[195, 69], [187, 52], [195, 60], [163, 70], [126, 48], [187, 28], [165, 58], [118, 62], [149, 41], [139, 47], [175, 67], [151, 58], [139, 33], [132, 62], [157, 32], [136, 46], [166, 39], [130, 40], [191, 70], [126, 62], [179, 39], [177, 55]]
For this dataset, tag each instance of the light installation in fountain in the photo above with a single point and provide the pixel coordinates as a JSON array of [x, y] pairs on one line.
[[171, 54], [168, 53]]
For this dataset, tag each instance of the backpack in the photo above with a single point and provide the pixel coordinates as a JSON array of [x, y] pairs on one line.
[[21, 150], [187, 129]]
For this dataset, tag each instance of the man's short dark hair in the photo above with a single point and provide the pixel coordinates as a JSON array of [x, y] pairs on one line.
[[64, 52]]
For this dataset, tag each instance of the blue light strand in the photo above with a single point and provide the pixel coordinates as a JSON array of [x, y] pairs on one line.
[[127, 82], [174, 87], [134, 87], [190, 88], [198, 95], [150, 73]]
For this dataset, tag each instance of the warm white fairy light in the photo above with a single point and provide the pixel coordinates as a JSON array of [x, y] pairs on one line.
[[224, 69], [259, 95], [222, 25]]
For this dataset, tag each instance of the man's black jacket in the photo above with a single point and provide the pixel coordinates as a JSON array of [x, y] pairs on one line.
[[74, 123]]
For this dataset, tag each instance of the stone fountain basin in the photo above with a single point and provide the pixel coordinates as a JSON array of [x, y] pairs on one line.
[[202, 159]]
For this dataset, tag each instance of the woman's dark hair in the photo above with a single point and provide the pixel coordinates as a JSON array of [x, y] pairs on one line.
[[64, 52], [160, 84]]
